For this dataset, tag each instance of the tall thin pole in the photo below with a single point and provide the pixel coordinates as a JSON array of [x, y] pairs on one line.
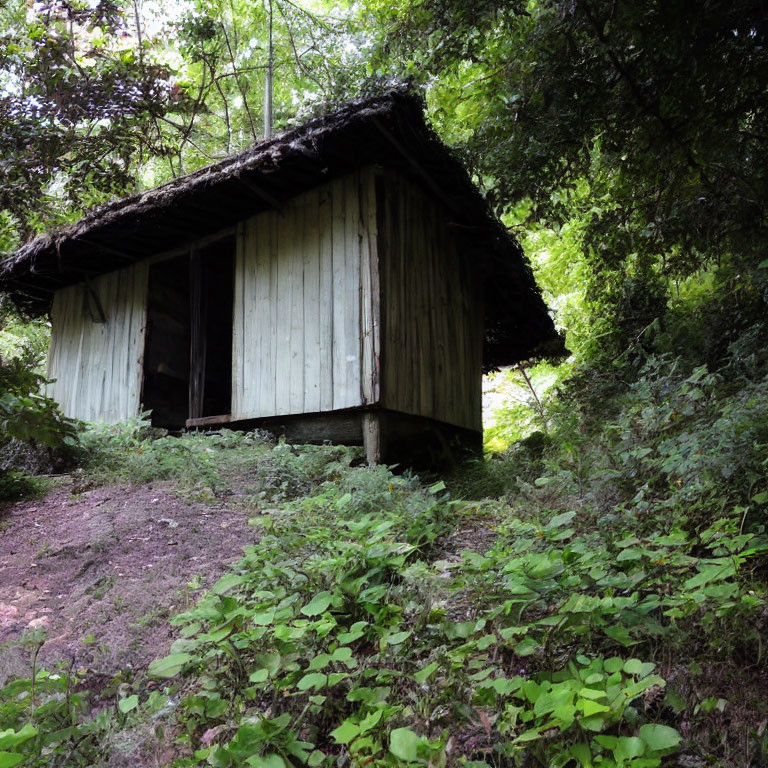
[[268, 80]]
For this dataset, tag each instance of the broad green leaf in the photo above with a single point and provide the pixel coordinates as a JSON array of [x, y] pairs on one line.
[[532, 690], [342, 654], [633, 666], [259, 676], [674, 701], [620, 634], [526, 647], [504, 686], [356, 631], [592, 693], [319, 604], [270, 661], [589, 707], [12, 738], [628, 747], [272, 760], [631, 553], [9, 759], [321, 661], [169, 666], [460, 629], [424, 674], [128, 704], [559, 520], [314, 680], [398, 637], [345, 732], [711, 572], [548, 702], [593, 722], [582, 755], [659, 737], [404, 743], [227, 582], [566, 714], [530, 735], [371, 720]]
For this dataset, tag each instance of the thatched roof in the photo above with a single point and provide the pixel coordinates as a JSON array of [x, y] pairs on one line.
[[388, 130]]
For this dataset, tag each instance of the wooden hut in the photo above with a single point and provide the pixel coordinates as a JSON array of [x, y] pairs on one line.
[[340, 281]]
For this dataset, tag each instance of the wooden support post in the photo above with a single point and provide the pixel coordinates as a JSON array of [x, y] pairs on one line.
[[373, 437]]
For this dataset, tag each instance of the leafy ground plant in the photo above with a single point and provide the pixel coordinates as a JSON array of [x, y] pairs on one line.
[[353, 634]]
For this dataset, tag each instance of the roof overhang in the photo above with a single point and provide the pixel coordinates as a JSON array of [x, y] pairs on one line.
[[387, 130]]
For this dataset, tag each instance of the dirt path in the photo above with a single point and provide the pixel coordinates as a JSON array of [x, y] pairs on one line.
[[101, 571]]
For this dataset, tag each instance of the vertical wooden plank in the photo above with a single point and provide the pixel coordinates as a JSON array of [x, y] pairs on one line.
[[393, 340], [239, 321], [252, 372], [78, 401], [284, 310], [326, 298], [69, 359], [294, 230], [370, 291], [352, 298], [138, 331], [111, 343], [310, 250], [339, 342], [274, 311], [261, 363]]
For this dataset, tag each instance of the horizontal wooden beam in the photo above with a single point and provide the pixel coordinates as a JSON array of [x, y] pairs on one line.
[[209, 421]]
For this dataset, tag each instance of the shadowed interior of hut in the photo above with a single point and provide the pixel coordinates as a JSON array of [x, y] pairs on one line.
[[166, 351], [188, 349], [211, 319]]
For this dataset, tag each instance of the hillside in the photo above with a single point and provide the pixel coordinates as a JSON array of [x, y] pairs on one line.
[[600, 602]]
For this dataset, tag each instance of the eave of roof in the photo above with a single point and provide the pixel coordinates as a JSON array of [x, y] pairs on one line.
[[388, 129]]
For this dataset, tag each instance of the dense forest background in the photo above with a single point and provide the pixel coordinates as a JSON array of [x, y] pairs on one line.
[[626, 145]]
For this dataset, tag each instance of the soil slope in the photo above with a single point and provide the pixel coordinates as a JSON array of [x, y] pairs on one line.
[[102, 570]]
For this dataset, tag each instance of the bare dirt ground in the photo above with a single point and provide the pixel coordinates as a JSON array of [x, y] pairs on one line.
[[101, 571]]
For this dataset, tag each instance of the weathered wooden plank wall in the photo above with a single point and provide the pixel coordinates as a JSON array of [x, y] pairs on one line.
[[98, 365], [432, 313], [302, 290]]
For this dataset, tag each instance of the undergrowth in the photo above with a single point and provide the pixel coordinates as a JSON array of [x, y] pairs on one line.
[[617, 616], [134, 452]]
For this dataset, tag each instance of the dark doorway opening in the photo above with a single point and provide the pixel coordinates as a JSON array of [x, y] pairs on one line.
[[212, 278], [166, 350], [188, 350]]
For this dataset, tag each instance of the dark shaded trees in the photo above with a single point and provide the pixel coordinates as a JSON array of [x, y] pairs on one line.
[[660, 107]]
